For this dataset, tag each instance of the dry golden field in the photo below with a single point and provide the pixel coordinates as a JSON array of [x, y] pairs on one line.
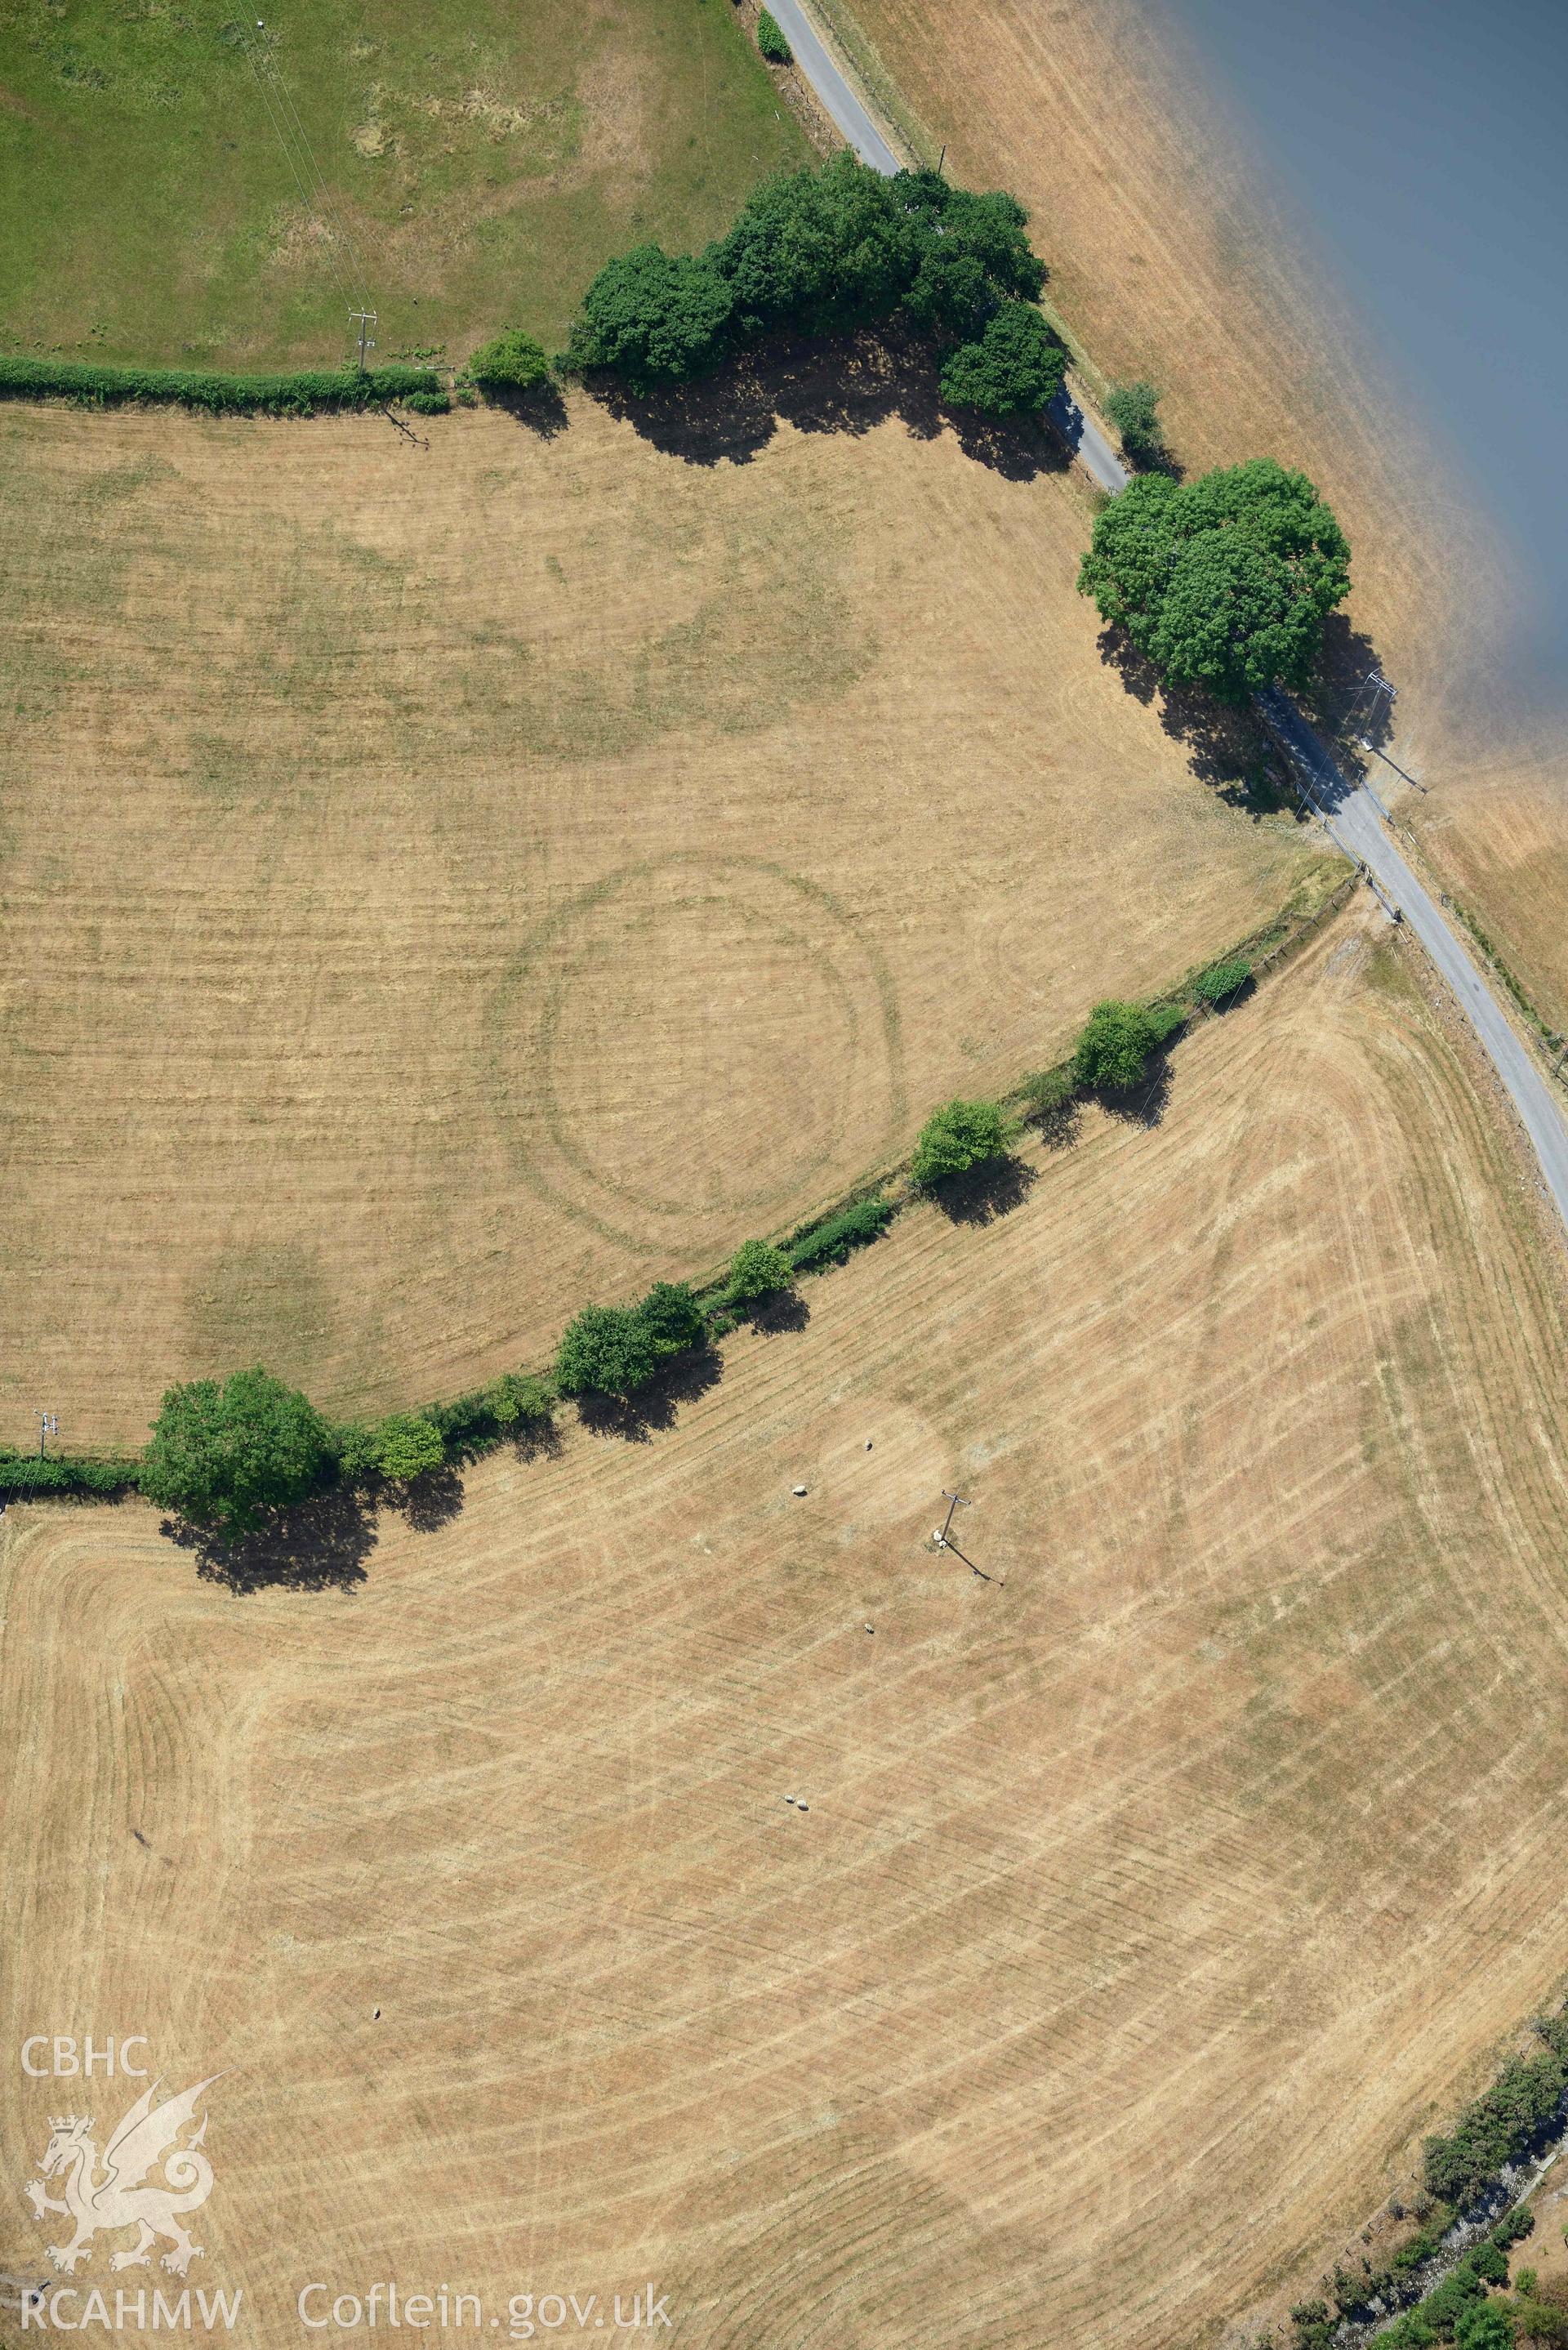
[[1168, 259], [1148, 1904], [445, 884]]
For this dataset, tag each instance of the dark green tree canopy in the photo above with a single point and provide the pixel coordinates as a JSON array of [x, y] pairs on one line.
[[1223, 582], [224, 1455], [606, 1350], [1487, 2327], [973, 255], [1017, 365], [815, 251], [614, 1349], [960, 1135], [672, 1317], [405, 1445], [1116, 1044], [653, 318], [818, 249]]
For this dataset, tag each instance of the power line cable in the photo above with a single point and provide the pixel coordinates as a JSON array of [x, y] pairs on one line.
[[328, 204], [261, 80], [306, 171]]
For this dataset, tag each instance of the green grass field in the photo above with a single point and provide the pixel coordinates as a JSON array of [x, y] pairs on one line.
[[478, 161]]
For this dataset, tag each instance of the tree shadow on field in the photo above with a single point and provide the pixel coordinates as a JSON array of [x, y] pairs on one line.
[[428, 1501], [1144, 1104], [634, 1419], [1059, 1125], [781, 1310], [983, 1193], [320, 1545], [844, 384], [1226, 748], [1343, 705], [535, 1439], [541, 408]]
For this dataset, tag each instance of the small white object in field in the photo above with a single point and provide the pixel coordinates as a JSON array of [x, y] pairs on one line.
[[789, 1799], [867, 1444], [802, 1807], [798, 1490]]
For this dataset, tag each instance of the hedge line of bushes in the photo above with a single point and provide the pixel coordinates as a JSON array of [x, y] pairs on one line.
[[629, 1344], [24, 1475], [1439, 2316], [1518, 2116], [308, 392], [1525, 2103]]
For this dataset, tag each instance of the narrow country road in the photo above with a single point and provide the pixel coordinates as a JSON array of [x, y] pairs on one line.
[[839, 101], [1349, 810], [1355, 821]]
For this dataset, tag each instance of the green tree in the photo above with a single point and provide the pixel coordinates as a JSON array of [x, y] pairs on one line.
[[606, 1350], [1133, 409], [406, 1445], [960, 1135], [972, 256], [1117, 1046], [672, 1317], [653, 318], [1224, 582], [513, 362], [818, 249], [771, 42], [1485, 2327], [758, 1269], [515, 1396], [1017, 365], [815, 251], [224, 1455], [1223, 981]]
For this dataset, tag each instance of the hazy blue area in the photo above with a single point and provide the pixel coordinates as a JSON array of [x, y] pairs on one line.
[[1427, 143]]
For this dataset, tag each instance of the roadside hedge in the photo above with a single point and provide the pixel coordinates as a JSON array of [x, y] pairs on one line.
[[310, 392]]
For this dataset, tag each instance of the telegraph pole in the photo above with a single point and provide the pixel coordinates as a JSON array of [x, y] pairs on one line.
[[954, 1502], [48, 1425], [365, 319]]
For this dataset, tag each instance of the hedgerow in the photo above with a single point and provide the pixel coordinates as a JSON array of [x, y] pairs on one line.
[[831, 1240], [310, 392], [611, 1349], [1524, 2101], [1516, 2116], [24, 1474]]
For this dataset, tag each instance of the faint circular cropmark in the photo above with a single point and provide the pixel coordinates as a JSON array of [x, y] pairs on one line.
[[692, 1042]]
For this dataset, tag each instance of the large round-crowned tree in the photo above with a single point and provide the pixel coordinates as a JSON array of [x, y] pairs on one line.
[[225, 1455], [1224, 582]]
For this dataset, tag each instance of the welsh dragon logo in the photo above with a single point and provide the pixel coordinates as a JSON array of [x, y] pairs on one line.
[[127, 2196]]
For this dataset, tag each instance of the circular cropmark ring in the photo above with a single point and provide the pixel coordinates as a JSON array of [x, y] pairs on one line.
[[571, 1077]]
